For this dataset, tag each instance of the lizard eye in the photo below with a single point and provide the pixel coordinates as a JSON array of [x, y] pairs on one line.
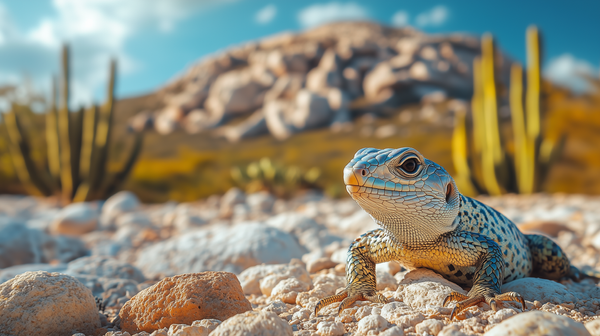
[[409, 166]]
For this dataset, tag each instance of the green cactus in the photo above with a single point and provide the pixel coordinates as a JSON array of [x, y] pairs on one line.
[[534, 153], [77, 147]]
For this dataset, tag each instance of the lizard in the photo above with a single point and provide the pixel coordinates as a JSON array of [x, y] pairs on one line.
[[426, 222]]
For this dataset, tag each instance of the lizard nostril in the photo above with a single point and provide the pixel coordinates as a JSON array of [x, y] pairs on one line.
[[363, 172]]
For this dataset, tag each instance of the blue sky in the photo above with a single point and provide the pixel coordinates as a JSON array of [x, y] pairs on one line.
[[155, 40]]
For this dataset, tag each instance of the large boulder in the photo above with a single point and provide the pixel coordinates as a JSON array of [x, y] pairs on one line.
[[22, 245], [183, 299], [238, 91], [42, 303], [538, 323], [230, 249]]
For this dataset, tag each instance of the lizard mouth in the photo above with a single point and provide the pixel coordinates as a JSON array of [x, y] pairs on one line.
[[357, 189]]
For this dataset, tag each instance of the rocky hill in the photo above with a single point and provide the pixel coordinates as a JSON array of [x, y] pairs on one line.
[[324, 77]]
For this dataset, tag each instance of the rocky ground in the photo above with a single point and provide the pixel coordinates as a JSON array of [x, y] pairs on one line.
[[256, 265]]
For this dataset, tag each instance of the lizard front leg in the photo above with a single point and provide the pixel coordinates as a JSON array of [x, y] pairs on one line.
[[465, 247], [371, 248]]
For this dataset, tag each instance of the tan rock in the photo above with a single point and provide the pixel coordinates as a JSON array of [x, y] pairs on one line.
[[538, 323], [184, 299], [373, 324], [75, 219], [251, 277], [329, 328], [259, 323], [431, 327], [319, 264], [544, 227], [42, 303], [287, 290], [593, 327]]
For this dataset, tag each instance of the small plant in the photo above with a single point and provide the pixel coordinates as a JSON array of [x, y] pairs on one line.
[[486, 166], [277, 179], [77, 146]]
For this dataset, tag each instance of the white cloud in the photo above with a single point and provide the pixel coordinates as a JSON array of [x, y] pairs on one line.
[[400, 18], [266, 15], [318, 14], [434, 17], [96, 30], [568, 71]]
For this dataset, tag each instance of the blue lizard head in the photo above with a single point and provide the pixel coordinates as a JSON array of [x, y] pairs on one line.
[[402, 190]]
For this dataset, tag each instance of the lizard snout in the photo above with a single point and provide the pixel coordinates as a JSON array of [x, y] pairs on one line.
[[355, 175]]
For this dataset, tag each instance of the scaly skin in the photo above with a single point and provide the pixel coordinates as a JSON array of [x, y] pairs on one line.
[[426, 222]]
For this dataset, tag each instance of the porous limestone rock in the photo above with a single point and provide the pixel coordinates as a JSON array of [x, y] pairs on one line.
[[538, 323], [259, 323], [42, 303], [423, 288], [542, 290], [184, 299]]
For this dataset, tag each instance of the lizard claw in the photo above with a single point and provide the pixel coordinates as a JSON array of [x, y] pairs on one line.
[[348, 299]]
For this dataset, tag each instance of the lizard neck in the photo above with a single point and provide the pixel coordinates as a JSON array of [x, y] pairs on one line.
[[410, 227]]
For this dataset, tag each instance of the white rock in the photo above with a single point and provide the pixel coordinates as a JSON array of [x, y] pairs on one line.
[[251, 278], [386, 280], [312, 110], [374, 323], [75, 219], [208, 324], [260, 201], [538, 323], [134, 219], [232, 197], [106, 267], [431, 327], [231, 249], [22, 245], [42, 303], [542, 290], [278, 307], [287, 290], [254, 323], [451, 330], [315, 265], [423, 288], [187, 330], [328, 328], [119, 203], [593, 327], [401, 314], [393, 331], [501, 315]]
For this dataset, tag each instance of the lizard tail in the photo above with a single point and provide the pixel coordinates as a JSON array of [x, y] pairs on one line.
[[586, 272]]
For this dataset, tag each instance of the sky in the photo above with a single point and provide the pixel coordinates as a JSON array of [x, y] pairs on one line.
[[155, 40]]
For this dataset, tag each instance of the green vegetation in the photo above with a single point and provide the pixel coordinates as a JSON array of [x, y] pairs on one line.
[[488, 165], [275, 178], [73, 162]]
